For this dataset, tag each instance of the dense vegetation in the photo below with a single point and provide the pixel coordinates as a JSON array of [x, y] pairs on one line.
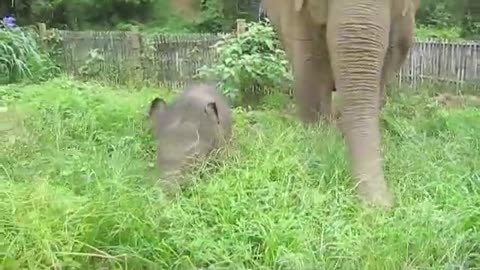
[[441, 18], [22, 57], [76, 161], [76, 189], [249, 65], [155, 15], [449, 18]]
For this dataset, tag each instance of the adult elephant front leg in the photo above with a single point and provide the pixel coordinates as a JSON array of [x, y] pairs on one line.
[[313, 80], [357, 34]]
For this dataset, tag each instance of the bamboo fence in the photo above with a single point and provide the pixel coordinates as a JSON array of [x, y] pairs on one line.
[[174, 59], [456, 62]]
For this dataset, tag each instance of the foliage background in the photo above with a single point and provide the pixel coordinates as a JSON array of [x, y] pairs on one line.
[[249, 65], [436, 18], [22, 57]]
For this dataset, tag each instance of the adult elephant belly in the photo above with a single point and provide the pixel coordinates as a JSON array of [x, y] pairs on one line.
[[340, 44]]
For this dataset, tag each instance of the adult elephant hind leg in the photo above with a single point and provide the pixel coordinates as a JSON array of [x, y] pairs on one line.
[[357, 34], [307, 53], [400, 42], [313, 80], [385, 77], [392, 64]]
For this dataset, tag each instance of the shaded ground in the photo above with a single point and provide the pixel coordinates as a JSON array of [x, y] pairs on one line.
[[456, 101], [75, 189]]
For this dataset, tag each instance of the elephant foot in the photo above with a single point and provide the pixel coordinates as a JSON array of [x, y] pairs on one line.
[[314, 118], [170, 185], [336, 114], [337, 119], [376, 195], [313, 114], [382, 104]]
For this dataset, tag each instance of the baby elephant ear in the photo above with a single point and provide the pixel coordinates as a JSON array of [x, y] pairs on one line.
[[211, 111], [157, 105]]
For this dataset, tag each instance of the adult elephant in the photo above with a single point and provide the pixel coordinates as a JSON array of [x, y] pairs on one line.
[[353, 46]]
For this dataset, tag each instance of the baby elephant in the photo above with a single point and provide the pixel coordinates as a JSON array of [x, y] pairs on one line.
[[196, 122]]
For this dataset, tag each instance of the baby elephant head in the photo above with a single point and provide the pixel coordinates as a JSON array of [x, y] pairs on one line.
[[184, 130]]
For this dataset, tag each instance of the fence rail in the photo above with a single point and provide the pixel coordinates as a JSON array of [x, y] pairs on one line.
[[455, 62], [174, 59]]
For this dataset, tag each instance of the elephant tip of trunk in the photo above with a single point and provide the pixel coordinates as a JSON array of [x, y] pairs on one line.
[[384, 201]]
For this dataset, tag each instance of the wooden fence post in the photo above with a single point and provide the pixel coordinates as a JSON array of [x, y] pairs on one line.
[[241, 26], [135, 42], [42, 32]]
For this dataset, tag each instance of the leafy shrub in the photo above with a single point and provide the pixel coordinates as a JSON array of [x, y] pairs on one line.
[[250, 63], [21, 57], [471, 26], [437, 14], [451, 33]]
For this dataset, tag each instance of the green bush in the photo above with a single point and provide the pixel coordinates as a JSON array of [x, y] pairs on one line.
[[21, 57], [471, 26], [250, 63], [451, 33]]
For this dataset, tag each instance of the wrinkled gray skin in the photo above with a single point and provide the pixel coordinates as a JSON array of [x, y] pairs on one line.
[[198, 121], [354, 46]]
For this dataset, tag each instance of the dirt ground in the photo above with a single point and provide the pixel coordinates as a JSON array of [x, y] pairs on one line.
[[456, 101]]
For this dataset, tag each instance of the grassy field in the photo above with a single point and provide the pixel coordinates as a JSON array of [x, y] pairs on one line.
[[76, 189]]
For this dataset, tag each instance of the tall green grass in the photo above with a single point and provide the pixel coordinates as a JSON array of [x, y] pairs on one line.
[[21, 57], [76, 189]]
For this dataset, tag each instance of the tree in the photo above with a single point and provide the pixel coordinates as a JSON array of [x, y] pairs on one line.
[[471, 19]]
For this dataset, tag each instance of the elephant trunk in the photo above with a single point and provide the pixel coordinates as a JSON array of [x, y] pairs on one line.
[[357, 34]]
